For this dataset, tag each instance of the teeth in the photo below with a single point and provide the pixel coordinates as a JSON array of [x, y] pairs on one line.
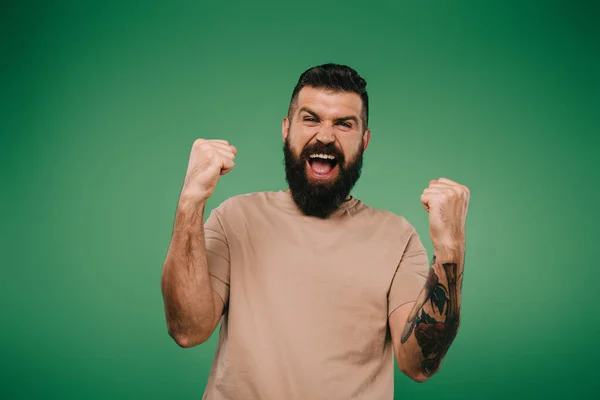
[[323, 156]]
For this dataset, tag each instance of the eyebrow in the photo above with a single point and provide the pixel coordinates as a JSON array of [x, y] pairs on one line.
[[349, 118], [337, 120], [311, 112]]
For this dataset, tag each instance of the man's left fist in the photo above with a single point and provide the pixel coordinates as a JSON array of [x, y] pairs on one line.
[[446, 202]]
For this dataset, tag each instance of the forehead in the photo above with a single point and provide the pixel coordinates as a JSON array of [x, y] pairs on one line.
[[328, 103]]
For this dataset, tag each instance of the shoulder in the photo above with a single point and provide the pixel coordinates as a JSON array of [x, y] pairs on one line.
[[385, 218], [242, 214], [243, 202]]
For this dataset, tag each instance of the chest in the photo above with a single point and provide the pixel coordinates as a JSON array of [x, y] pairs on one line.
[[317, 268]]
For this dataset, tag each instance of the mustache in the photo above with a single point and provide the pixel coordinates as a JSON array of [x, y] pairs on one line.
[[318, 147]]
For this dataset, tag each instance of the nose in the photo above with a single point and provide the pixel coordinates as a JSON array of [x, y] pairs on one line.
[[325, 136]]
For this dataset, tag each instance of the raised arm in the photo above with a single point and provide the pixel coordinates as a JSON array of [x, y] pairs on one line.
[[423, 331], [192, 307]]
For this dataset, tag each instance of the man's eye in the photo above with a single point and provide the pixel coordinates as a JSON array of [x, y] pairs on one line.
[[310, 119], [346, 124]]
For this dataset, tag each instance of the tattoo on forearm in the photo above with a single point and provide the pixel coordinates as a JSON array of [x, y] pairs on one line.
[[434, 336]]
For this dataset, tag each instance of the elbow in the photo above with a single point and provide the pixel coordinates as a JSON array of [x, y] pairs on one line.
[[418, 377], [415, 373], [187, 341], [183, 341]]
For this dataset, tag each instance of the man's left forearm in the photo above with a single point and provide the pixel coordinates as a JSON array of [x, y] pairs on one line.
[[433, 322]]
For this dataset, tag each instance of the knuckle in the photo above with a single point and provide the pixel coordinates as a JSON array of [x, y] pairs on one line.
[[209, 150], [203, 147], [199, 142]]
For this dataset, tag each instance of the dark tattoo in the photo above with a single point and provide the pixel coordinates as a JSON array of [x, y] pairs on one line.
[[435, 336], [408, 328]]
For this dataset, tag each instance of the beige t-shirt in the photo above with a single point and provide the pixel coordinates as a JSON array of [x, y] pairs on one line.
[[307, 300]]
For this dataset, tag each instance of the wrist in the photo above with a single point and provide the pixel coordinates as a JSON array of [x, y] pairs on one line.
[[193, 197], [188, 204], [451, 252]]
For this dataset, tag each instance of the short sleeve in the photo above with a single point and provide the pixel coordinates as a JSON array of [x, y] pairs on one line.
[[217, 256], [411, 274]]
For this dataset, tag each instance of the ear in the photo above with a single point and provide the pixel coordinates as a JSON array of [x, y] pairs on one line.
[[366, 139], [285, 128]]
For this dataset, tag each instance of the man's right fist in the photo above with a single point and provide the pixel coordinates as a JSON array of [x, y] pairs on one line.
[[209, 159]]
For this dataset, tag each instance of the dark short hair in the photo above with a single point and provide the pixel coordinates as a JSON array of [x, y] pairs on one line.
[[335, 77]]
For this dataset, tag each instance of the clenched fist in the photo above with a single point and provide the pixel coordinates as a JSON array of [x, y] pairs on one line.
[[446, 202], [209, 159]]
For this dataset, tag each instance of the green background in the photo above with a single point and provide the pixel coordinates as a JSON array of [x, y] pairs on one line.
[[101, 102]]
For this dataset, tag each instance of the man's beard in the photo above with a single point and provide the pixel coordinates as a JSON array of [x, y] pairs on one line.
[[320, 198]]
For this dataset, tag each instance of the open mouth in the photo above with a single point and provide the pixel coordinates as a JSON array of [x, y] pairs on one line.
[[322, 165]]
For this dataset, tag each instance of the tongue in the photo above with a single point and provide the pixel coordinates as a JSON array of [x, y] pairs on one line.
[[320, 166]]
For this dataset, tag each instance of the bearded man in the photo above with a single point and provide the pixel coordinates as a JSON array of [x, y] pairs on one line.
[[316, 292]]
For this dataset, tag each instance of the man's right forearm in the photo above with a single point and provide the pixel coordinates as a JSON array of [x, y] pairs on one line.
[[187, 293]]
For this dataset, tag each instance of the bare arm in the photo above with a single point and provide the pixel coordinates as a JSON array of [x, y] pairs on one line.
[[423, 331], [192, 308]]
